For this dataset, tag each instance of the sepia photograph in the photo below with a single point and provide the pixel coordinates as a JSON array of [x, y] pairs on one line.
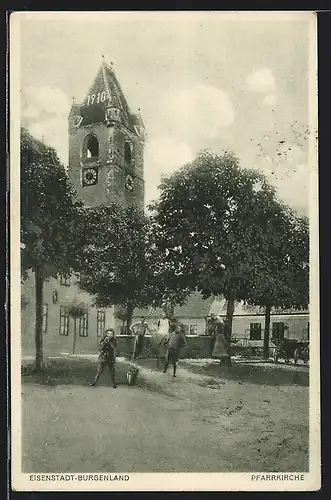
[[164, 259]]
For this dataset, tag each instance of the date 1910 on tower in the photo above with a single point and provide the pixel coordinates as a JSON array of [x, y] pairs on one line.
[[97, 98]]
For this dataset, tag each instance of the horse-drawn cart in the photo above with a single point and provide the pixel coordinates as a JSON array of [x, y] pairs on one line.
[[301, 352], [292, 349]]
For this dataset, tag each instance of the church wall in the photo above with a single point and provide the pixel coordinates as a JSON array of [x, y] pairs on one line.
[[112, 168], [54, 343], [92, 195]]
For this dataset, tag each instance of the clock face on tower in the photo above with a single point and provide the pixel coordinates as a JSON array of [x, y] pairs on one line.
[[90, 177], [129, 182]]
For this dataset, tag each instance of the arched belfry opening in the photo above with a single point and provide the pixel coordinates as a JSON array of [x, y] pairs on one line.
[[91, 146]]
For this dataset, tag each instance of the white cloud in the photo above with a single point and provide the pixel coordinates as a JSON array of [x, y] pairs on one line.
[[54, 133], [50, 99], [30, 112], [286, 168], [262, 81], [270, 100], [199, 111], [163, 155], [293, 189], [46, 111], [168, 153]]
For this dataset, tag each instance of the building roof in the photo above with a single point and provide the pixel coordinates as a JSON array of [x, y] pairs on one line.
[[194, 307], [197, 307], [148, 312], [106, 92]]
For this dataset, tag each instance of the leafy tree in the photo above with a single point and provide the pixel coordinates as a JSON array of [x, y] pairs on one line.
[[281, 279], [49, 222], [118, 265], [122, 315], [121, 262], [210, 222], [167, 285]]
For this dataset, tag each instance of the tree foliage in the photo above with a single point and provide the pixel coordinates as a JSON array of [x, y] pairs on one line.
[[117, 266], [49, 211], [50, 235], [282, 279], [213, 229], [210, 219]]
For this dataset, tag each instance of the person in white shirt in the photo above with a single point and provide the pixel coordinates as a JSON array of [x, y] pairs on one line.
[[162, 333], [163, 325]]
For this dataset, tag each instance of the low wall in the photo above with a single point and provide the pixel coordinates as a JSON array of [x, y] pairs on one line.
[[198, 346]]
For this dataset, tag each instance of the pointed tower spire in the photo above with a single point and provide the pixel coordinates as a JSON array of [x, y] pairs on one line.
[[139, 124], [105, 101]]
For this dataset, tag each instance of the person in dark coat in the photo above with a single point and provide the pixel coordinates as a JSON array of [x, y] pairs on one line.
[[107, 356], [212, 324], [174, 341], [221, 344]]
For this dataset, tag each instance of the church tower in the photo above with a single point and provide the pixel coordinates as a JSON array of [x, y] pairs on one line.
[[106, 145]]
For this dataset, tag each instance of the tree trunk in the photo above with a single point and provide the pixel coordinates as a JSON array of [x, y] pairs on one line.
[[228, 321], [75, 336], [168, 308], [39, 284], [266, 333], [129, 312]]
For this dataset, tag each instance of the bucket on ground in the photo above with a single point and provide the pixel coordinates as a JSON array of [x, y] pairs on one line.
[[132, 374]]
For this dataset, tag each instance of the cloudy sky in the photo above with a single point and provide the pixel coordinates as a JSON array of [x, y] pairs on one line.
[[219, 81]]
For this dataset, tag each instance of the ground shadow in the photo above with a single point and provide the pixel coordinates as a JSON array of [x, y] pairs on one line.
[[69, 371], [75, 371], [272, 375]]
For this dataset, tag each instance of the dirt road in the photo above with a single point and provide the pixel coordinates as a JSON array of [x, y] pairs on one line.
[[195, 422]]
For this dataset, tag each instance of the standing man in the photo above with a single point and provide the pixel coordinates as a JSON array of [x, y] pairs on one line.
[[174, 342], [163, 325], [163, 332], [107, 356], [139, 329]]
